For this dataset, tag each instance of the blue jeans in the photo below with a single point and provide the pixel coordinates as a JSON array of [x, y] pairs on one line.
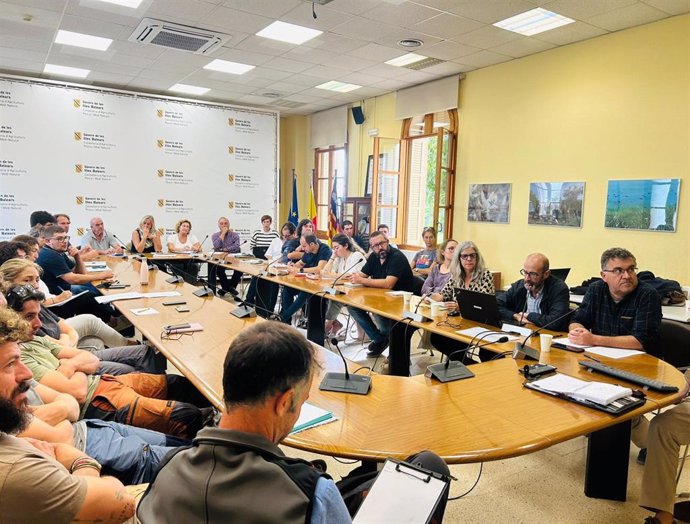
[[292, 301], [130, 454], [130, 359], [377, 329]]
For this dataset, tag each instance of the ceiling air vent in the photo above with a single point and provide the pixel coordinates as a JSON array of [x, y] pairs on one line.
[[177, 36], [289, 104], [423, 64]]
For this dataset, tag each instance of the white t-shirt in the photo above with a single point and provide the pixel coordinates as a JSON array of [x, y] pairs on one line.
[[341, 264], [179, 246]]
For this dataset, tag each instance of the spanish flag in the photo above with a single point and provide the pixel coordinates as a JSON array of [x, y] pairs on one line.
[[312, 206]]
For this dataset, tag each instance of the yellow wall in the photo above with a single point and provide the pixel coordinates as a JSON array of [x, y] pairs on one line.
[[614, 107], [294, 154]]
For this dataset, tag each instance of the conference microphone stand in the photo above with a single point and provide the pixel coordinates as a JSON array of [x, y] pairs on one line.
[[456, 370], [525, 352], [332, 290], [344, 382]]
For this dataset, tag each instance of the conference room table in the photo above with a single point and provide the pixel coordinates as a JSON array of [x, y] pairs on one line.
[[491, 416]]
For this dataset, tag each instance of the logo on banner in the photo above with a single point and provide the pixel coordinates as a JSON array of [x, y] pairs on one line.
[[160, 143], [160, 113], [80, 231], [78, 168], [161, 173], [80, 200], [76, 103], [161, 202], [77, 135], [231, 205], [161, 230], [231, 122], [231, 177], [231, 150]]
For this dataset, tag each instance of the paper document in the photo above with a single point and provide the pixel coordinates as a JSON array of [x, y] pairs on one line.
[[143, 311], [107, 299], [599, 392], [68, 300], [613, 352], [312, 416], [512, 328], [564, 341], [401, 494], [95, 267]]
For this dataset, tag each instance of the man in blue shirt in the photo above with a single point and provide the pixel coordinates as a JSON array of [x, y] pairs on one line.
[[316, 255], [237, 472]]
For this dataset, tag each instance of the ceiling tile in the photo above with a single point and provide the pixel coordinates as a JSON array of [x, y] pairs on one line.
[[286, 64], [625, 17], [364, 29], [228, 20], [448, 50], [487, 37], [491, 11], [584, 9], [355, 7], [522, 47], [406, 14], [392, 39], [269, 8], [570, 33], [375, 52], [264, 45], [325, 20], [332, 41], [446, 69], [447, 26], [483, 59], [672, 7]]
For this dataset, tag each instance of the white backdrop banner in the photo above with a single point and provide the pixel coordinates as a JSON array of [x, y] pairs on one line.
[[121, 156]]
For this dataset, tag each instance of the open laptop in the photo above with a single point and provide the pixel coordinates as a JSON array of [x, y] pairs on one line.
[[561, 273], [478, 307]]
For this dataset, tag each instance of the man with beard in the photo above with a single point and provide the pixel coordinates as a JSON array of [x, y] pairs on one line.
[[386, 268], [42, 482], [537, 298]]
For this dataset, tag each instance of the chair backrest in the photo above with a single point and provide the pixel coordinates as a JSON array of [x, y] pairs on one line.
[[674, 343], [417, 284]]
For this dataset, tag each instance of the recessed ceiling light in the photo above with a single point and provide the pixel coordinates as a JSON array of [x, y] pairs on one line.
[[190, 90], [291, 33], [225, 66], [66, 71], [127, 3], [533, 22], [409, 58], [81, 40], [338, 87], [410, 42]]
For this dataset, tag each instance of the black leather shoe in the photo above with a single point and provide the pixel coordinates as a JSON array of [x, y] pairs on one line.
[[642, 456], [376, 348]]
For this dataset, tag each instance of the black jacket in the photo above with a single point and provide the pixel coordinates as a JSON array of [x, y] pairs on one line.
[[555, 302]]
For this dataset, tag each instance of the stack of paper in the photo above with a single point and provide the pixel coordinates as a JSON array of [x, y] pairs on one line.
[[312, 416], [598, 392]]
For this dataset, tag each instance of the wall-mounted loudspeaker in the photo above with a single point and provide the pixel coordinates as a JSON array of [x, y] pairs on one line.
[[358, 115]]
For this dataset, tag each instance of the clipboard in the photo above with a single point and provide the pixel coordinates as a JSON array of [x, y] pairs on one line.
[[403, 493]]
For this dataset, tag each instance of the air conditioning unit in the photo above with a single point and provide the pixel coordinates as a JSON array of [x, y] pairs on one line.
[[177, 36]]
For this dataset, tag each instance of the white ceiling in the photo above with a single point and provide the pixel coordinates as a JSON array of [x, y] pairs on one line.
[[358, 37]]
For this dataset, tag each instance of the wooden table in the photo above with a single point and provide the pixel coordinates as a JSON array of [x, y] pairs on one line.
[[489, 417]]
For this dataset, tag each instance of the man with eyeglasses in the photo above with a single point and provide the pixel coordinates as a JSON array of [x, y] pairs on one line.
[[537, 298], [618, 311], [59, 272], [386, 268]]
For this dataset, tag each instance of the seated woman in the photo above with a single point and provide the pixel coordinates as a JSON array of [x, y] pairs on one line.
[[84, 330], [345, 259], [146, 238], [424, 260], [183, 241], [437, 279], [467, 271]]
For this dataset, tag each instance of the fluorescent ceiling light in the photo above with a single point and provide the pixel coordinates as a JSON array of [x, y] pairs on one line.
[[338, 87], [66, 71], [82, 40], [291, 33], [407, 59], [533, 22], [191, 90], [225, 66], [127, 3]]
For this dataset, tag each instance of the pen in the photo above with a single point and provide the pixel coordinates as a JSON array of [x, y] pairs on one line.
[[591, 357]]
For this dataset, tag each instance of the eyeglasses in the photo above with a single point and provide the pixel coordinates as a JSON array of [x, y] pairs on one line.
[[61, 239], [468, 256], [618, 271], [379, 244], [531, 274]]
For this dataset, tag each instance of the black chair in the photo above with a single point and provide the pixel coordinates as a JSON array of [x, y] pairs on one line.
[[673, 345]]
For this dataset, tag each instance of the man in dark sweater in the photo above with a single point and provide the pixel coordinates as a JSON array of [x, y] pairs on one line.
[[386, 268], [537, 298]]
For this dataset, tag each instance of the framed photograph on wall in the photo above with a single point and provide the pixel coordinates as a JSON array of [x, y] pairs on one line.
[[489, 203], [370, 173], [556, 203], [647, 204]]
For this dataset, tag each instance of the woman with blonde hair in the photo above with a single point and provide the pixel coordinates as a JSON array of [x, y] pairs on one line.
[[146, 238]]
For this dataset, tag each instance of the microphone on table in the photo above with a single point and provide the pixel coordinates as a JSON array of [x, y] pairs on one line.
[[239, 252], [456, 370], [332, 290], [417, 317], [204, 291], [525, 352], [201, 246], [344, 382], [124, 246], [175, 278], [265, 271]]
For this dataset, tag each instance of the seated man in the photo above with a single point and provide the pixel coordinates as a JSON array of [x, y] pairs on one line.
[[316, 255], [85, 251], [102, 242], [386, 268], [537, 298], [139, 399], [130, 454], [42, 482], [348, 229], [10, 249], [618, 311], [227, 241], [237, 472], [383, 228]]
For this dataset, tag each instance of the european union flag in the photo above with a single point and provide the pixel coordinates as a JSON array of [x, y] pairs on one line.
[[294, 209]]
